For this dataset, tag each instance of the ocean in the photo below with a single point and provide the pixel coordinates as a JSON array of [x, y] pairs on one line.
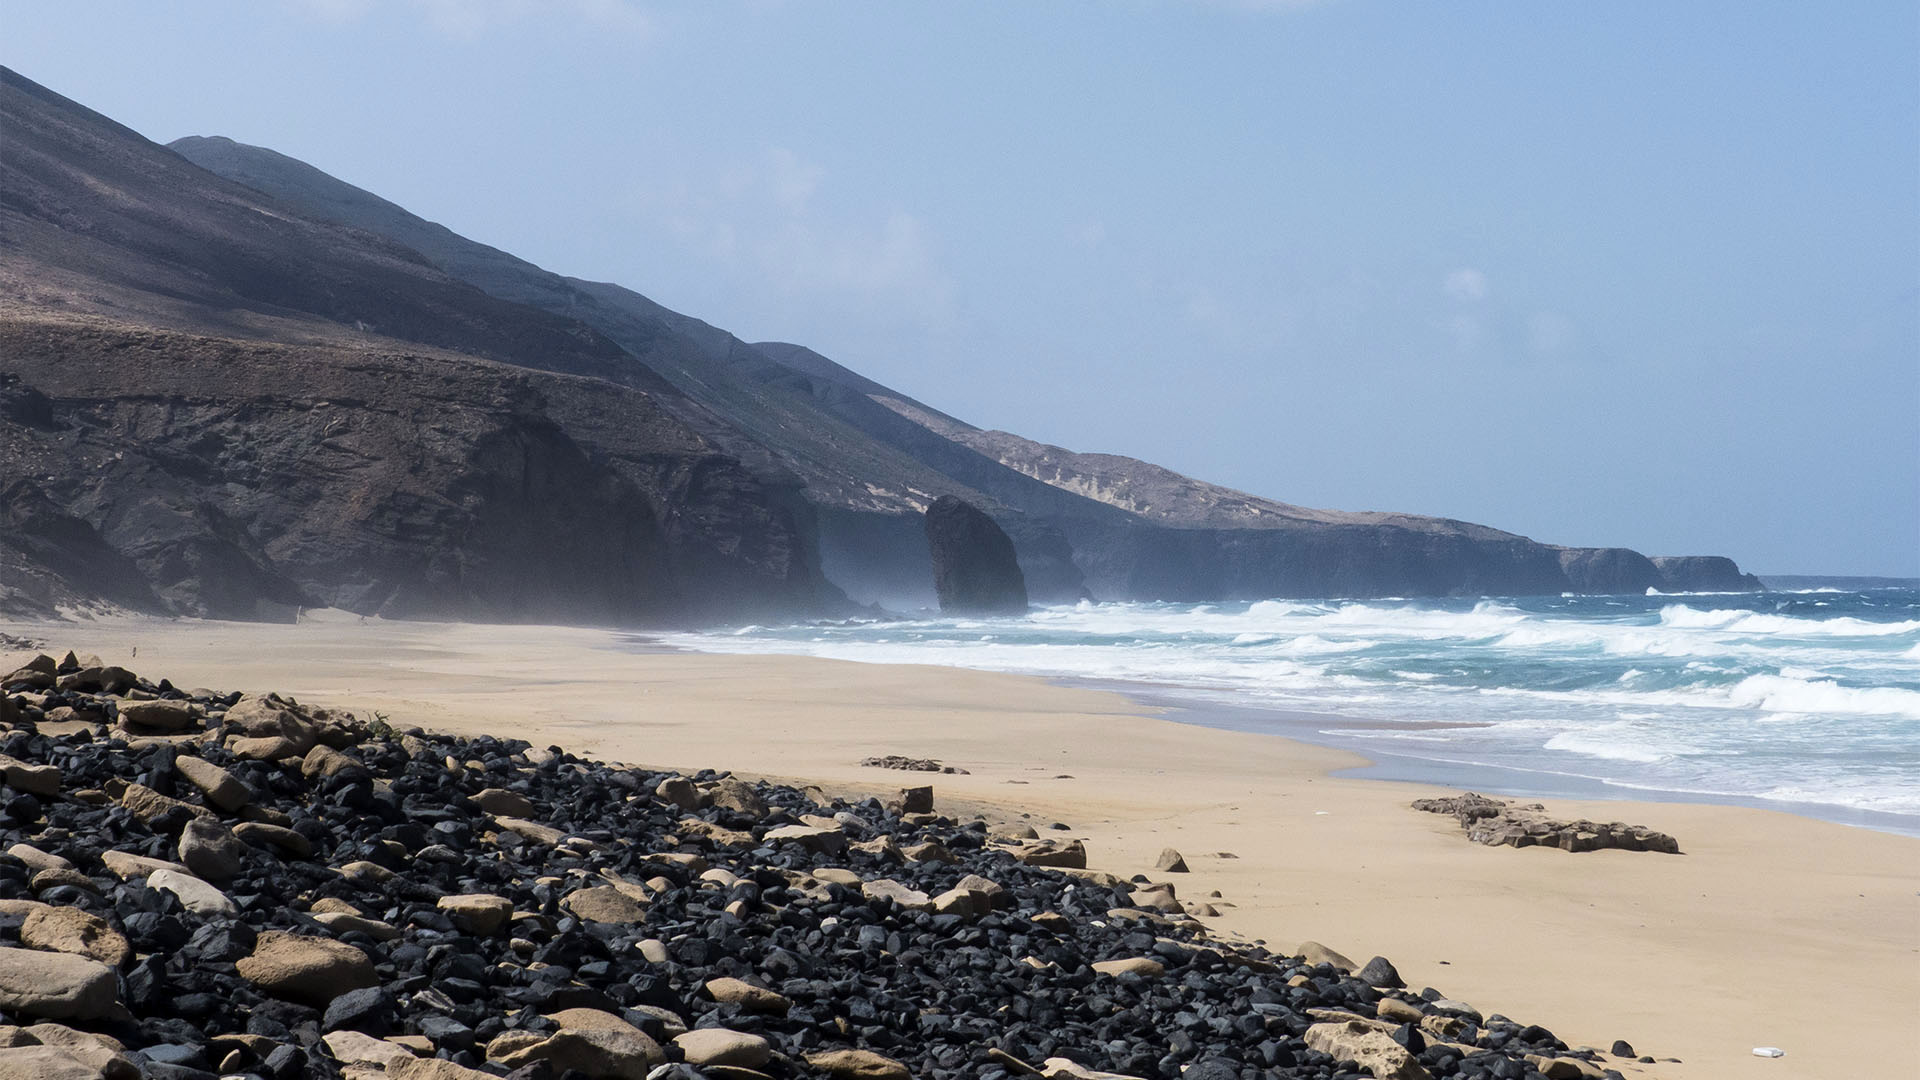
[[1806, 700]]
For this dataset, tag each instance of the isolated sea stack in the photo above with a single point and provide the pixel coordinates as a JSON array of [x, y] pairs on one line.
[[975, 571]]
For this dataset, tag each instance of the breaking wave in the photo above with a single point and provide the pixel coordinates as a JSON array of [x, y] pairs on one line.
[[1743, 696]]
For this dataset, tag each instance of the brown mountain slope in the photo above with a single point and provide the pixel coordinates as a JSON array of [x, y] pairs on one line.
[[212, 405]]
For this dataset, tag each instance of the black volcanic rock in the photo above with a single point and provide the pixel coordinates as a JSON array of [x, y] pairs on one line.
[[975, 570]]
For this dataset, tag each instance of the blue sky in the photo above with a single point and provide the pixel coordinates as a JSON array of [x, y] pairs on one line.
[[1636, 273]]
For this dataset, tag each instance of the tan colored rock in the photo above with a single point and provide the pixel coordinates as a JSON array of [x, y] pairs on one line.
[[888, 889], [1364, 1045], [962, 902], [679, 791], [257, 717], [1072, 854], [70, 930], [54, 877], [263, 834], [738, 796], [477, 913], [99, 1052], [365, 871], [1315, 953], [752, 998], [719, 1046], [927, 852], [130, 867], [34, 859], [434, 1069], [56, 985], [1158, 899], [1133, 965], [194, 894], [605, 904], [817, 840], [1059, 1068], [1396, 1011], [211, 851], [310, 970], [264, 748], [502, 801], [689, 828], [148, 804], [58, 1063], [221, 788], [531, 831], [1565, 1068], [881, 846], [858, 1065], [140, 716], [324, 762], [597, 1044], [340, 924], [42, 780], [1170, 862], [350, 1047]]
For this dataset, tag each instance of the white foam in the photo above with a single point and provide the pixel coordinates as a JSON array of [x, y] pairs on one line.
[[1737, 621], [1606, 742]]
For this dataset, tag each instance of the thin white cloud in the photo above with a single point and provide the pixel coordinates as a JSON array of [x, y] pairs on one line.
[[1466, 285]]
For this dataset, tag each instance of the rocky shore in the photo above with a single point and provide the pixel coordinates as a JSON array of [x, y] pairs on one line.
[[201, 884]]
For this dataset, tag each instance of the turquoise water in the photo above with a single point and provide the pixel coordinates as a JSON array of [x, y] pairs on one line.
[[1802, 699]]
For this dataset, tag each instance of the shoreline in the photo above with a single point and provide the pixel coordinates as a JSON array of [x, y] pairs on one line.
[[1701, 956], [1485, 778]]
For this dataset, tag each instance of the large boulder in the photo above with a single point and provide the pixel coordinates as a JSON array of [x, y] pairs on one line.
[[313, 971], [975, 571], [56, 985], [1367, 1047]]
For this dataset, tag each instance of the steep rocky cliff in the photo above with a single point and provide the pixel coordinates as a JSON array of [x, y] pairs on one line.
[[212, 405]]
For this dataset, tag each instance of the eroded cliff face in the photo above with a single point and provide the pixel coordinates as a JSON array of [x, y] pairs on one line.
[[200, 476]]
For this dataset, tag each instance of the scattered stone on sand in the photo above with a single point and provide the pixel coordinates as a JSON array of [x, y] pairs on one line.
[[399, 905], [719, 1046], [1170, 862], [910, 764], [1497, 822]]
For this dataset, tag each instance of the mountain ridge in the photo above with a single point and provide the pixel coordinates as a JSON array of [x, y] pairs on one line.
[[753, 479]]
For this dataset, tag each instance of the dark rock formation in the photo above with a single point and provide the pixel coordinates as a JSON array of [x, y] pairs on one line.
[[214, 406], [1703, 573], [975, 571], [1499, 823]]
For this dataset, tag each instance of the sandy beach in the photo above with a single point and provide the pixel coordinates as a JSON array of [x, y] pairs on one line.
[[1772, 930]]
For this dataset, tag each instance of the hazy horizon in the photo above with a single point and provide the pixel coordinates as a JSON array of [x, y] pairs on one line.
[[1642, 276]]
